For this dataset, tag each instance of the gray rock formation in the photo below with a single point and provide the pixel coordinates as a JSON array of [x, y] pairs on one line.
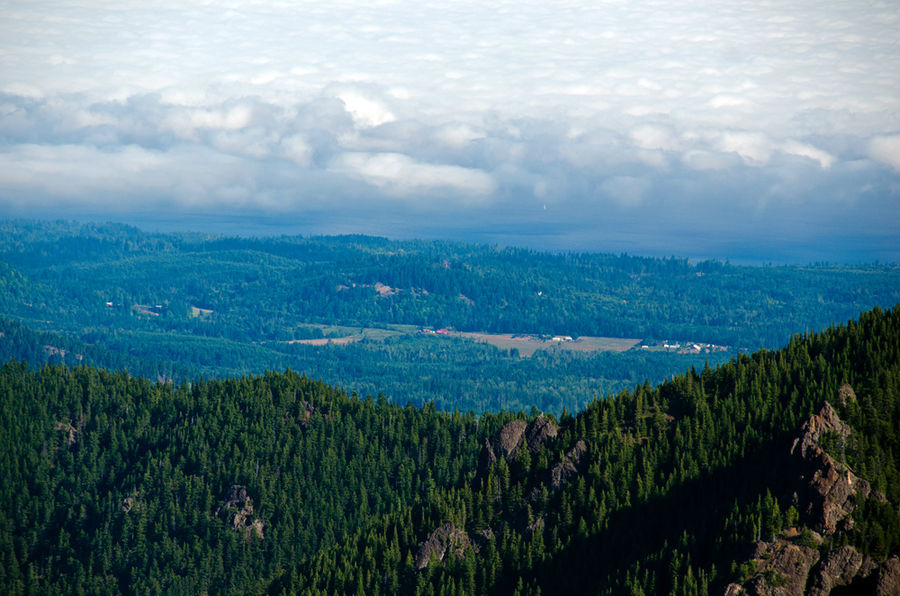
[[539, 432], [447, 539], [508, 441], [782, 568], [839, 568], [562, 472], [828, 491], [238, 509], [888, 578]]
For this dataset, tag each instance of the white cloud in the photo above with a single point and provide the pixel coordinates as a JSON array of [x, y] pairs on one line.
[[727, 101], [824, 158], [886, 150], [755, 148], [401, 175], [650, 136], [366, 111], [132, 175], [457, 136], [297, 149], [282, 103]]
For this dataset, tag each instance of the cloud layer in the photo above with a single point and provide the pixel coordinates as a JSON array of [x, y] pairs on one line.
[[601, 125]]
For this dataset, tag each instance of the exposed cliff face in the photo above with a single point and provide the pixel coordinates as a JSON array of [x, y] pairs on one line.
[[827, 490], [445, 540], [539, 432], [508, 441], [237, 507], [888, 579], [565, 470], [782, 568], [840, 568], [825, 493], [790, 571]]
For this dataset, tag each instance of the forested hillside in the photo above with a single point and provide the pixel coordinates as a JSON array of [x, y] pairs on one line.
[[261, 288], [453, 374], [184, 306], [277, 483]]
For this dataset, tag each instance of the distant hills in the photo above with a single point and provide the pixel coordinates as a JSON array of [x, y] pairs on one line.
[[183, 306]]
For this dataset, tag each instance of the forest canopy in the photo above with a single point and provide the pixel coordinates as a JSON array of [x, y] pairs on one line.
[[184, 306], [273, 483]]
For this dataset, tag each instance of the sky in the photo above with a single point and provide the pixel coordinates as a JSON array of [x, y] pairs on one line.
[[752, 131]]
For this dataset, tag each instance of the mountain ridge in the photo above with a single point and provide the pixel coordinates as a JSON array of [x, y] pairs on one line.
[[672, 488]]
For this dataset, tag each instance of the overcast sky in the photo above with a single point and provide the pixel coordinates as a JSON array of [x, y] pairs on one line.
[[758, 130]]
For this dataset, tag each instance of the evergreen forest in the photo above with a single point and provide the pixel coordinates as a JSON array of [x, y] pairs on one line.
[[181, 307], [276, 483]]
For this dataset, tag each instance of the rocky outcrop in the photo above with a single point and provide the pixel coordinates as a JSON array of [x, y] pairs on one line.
[[815, 427], [504, 443], [539, 432], [237, 507], [562, 472], [306, 414], [888, 578], [846, 395], [827, 491], [508, 441], [787, 569], [445, 540], [782, 568], [839, 568], [68, 430], [131, 502]]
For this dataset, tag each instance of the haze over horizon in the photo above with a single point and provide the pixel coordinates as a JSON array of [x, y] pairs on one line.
[[751, 131]]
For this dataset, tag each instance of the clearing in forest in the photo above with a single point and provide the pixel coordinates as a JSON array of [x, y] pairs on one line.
[[527, 345]]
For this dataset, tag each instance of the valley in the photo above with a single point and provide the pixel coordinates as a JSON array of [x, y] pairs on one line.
[[470, 327], [353, 415]]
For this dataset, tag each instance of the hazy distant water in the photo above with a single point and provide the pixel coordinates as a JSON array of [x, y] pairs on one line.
[[661, 236]]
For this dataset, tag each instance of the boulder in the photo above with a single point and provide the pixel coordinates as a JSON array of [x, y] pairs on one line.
[[888, 582], [238, 509], [782, 568], [846, 395], [839, 568], [447, 539], [567, 468], [539, 432], [508, 440]]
